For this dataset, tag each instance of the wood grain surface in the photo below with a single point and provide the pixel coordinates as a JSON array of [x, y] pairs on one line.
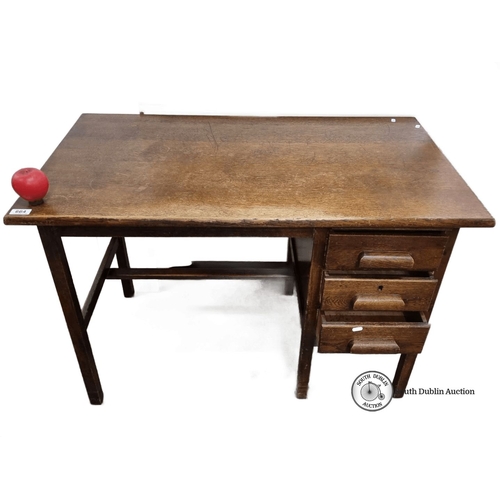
[[135, 170]]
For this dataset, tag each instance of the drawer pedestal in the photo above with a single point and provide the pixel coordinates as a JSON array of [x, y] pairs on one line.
[[370, 292]]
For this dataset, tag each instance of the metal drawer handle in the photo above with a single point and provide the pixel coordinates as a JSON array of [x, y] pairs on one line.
[[389, 302], [386, 260]]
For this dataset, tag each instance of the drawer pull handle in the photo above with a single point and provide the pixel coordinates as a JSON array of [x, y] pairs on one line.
[[388, 260], [392, 302], [375, 347]]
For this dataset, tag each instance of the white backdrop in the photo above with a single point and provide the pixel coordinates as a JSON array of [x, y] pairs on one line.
[[199, 377]]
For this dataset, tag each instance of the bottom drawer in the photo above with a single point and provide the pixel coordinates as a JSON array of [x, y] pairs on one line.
[[366, 332]]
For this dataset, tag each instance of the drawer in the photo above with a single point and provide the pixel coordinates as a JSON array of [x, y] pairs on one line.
[[412, 252], [374, 294], [372, 333]]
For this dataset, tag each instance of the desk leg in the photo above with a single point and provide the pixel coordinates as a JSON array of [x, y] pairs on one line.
[[58, 264], [403, 372], [289, 282], [310, 321], [122, 258]]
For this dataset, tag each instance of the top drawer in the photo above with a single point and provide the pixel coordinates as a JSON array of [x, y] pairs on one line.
[[412, 252]]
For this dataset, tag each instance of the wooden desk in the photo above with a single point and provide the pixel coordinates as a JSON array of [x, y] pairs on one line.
[[370, 206]]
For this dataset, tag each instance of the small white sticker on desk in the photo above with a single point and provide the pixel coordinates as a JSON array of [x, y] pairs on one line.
[[20, 211]]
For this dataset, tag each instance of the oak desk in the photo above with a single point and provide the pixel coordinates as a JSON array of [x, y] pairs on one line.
[[370, 206]]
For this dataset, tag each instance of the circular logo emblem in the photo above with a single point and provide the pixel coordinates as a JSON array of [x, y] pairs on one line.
[[372, 391]]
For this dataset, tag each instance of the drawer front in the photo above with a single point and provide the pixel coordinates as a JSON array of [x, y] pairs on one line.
[[359, 335], [373, 294], [385, 251]]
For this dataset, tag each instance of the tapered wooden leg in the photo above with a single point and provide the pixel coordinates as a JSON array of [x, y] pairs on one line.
[[309, 324], [403, 372], [122, 258], [289, 282], [58, 263]]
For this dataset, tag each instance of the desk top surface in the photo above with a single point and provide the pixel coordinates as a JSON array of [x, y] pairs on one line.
[[136, 170]]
